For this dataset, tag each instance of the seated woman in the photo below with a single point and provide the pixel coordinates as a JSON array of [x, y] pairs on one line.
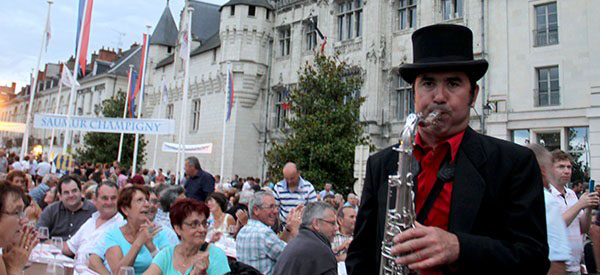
[[192, 255], [17, 240], [139, 240], [19, 179], [218, 220]]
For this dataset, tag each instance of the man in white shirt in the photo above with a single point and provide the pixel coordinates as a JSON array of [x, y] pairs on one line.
[[17, 164], [81, 244], [43, 168], [577, 222]]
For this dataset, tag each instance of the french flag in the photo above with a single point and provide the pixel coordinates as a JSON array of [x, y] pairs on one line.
[[83, 33], [138, 84], [229, 94], [132, 80]]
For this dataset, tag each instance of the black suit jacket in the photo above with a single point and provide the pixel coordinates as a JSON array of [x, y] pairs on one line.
[[497, 210]]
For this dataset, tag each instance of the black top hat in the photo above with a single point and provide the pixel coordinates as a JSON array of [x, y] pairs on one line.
[[443, 47]]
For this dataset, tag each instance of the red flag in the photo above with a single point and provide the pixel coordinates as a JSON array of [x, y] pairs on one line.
[[142, 67], [85, 36]]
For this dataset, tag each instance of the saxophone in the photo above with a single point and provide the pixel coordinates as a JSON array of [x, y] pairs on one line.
[[400, 215]]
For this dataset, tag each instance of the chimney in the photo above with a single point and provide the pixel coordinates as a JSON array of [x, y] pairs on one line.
[[13, 87], [107, 55], [71, 63]]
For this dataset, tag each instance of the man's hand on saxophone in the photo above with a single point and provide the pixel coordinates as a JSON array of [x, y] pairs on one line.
[[425, 247]]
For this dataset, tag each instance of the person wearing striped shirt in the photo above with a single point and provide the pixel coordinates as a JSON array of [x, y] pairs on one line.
[[292, 191]]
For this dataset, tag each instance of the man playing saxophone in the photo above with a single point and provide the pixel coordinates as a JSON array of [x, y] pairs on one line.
[[478, 200]]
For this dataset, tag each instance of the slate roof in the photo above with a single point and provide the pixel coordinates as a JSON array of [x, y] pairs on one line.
[[212, 43], [166, 31], [259, 3], [205, 20]]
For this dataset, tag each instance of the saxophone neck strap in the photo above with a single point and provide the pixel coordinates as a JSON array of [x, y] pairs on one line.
[[445, 174]]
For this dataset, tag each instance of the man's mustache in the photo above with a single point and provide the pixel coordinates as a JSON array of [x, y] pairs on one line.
[[440, 108]]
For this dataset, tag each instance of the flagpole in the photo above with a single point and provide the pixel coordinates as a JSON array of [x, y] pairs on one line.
[[156, 136], [56, 108], [140, 106], [67, 139], [228, 78], [186, 82], [125, 109], [25, 142]]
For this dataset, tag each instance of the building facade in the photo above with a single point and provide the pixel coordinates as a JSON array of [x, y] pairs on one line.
[[542, 85], [107, 75]]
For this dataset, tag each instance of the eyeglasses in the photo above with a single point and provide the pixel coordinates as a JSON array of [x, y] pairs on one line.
[[271, 207], [154, 201], [333, 223], [19, 214], [196, 224], [141, 201]]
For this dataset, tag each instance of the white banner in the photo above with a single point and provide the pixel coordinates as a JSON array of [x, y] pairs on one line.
[[14, 127], [205, 148], [105, 124]]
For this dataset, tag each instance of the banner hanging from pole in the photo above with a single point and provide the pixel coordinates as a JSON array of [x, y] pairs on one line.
[[205, 148], [13, 127], [105, 124]]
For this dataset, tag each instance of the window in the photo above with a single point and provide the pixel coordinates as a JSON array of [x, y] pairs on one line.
[[520, 137], [549, 140], [284, 40], [311, 34], [281, 108], [546, 25], [547, 87], [251, 10], [407, 14], [267, 15], [349, 19], [196, 115], [452, 9], [578, 148], [232, 10], [169, 114], [405, 99]]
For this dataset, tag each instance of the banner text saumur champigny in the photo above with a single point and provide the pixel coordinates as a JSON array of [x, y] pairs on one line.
[[105, 124]]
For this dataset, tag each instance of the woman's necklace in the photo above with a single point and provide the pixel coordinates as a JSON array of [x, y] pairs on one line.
[[184, 264]]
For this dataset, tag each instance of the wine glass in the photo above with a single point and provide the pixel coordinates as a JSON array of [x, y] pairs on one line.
[[43, 234], [126, 270], [55, 268], [81, 263], [56, 247]]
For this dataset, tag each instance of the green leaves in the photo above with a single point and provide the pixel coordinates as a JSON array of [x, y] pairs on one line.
[[324, 125], [104, 147]]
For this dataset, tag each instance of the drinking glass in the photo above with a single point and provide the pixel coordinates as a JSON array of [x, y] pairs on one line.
[[81, 263], [126, 270], [55, 268], [43, 234], [56, 246]]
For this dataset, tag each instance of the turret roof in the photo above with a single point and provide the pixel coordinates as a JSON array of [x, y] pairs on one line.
[[165, 32]]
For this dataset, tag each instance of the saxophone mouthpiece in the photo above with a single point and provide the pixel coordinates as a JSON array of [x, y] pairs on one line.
[[431, 119]]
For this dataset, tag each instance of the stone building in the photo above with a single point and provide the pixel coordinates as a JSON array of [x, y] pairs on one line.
[[539, 88], [107, 75], [543, 84]]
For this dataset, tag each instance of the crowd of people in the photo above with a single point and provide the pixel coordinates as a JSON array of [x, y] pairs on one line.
[[111, 219]]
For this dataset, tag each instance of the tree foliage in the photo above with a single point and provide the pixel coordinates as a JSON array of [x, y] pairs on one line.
[[104, 147], [324, 125]]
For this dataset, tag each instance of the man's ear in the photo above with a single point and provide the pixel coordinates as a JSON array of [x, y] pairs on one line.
[[474, 95]]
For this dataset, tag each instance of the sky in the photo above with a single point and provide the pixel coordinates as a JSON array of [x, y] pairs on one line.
[[115, 24]]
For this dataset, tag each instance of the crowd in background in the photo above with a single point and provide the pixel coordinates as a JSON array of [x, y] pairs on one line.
[[110, 219]]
